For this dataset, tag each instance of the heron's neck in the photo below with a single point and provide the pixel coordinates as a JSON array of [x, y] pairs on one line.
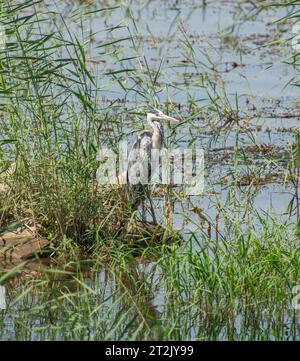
[[150, 120], [158, 132], [154, 123]]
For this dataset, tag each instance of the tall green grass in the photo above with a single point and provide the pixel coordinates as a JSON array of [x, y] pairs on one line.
[[236, 289], [52, 121]]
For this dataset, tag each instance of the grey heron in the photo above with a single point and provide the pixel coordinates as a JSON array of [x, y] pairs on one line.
[[140, 159]]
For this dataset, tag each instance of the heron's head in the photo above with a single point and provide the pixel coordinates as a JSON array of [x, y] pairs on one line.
[[158, 115]]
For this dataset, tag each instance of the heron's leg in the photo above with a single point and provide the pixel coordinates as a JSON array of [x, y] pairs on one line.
[[148, 193], [144, 216], [153, 212]]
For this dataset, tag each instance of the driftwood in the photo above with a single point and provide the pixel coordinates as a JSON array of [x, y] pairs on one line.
[[21, 240]]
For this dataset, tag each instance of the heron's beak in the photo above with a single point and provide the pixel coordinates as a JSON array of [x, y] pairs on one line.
[[170, 119]]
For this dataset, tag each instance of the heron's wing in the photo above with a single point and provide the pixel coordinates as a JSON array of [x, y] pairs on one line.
[[139, 159], [143, 143]]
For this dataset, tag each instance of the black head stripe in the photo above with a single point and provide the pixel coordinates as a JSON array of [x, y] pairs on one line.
[[153, 111]]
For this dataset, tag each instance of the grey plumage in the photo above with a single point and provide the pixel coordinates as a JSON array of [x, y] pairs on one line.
[[139, 170], [139, 161]]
